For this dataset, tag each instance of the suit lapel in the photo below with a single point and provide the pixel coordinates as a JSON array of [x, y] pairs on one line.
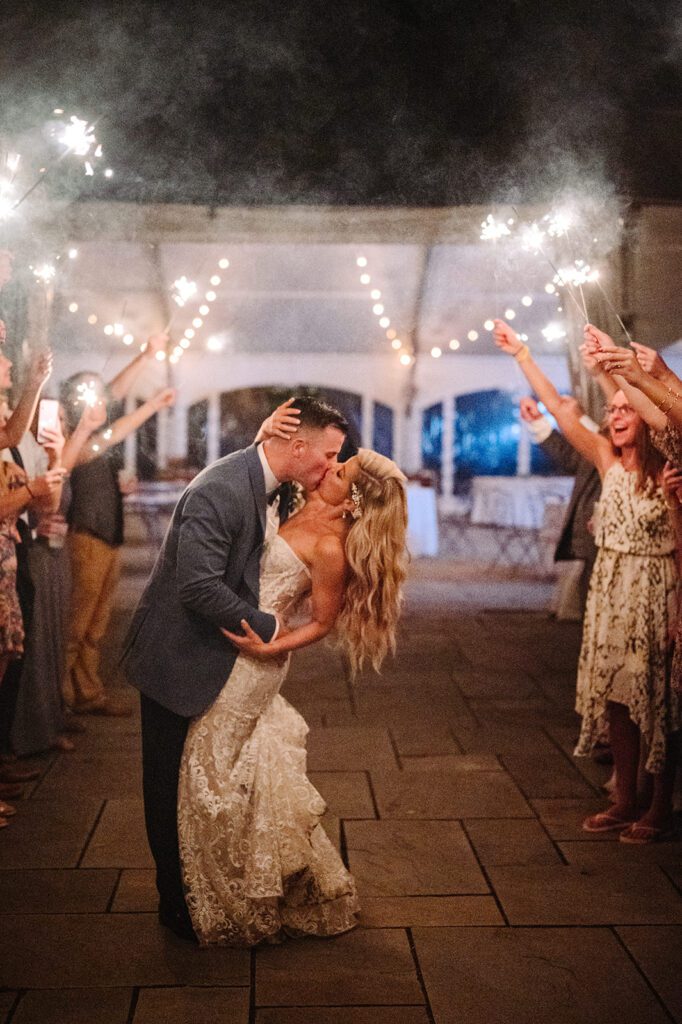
[[257, 482]]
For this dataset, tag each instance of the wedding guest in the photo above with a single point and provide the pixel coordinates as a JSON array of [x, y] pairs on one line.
[[95, 520], [576, 541], [40, 722], [622, 672], [21, 453]]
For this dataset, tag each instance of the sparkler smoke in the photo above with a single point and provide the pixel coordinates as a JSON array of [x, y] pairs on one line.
[[411, 104]]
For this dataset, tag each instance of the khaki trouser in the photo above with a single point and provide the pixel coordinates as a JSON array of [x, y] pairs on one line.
[[95, 570]]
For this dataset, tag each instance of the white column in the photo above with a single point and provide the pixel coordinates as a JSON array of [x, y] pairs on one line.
[[213, 428], [130, 443], [367, 421], [448, 445], [162, 438], [523, 454], [178, 440]]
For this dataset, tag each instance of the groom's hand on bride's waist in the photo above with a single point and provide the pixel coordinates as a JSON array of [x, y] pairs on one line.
[[250, 644]]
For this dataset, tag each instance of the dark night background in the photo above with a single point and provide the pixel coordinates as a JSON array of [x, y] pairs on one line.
[[430, 102]]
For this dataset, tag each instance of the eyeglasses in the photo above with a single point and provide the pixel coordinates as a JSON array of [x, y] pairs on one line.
[[625, 410]]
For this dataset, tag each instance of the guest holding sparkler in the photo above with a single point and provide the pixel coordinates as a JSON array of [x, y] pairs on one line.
[[95, 519], [40, 722], [622, 672]]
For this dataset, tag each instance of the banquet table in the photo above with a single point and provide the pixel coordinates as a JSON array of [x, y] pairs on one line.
[[422, 521], [517, 501]]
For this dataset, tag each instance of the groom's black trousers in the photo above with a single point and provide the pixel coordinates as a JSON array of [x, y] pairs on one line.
[[163, 737]]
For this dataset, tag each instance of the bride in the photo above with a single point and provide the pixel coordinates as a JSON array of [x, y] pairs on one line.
[[257, 863]]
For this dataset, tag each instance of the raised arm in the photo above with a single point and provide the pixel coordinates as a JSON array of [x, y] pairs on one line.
[[210, 521], [328, 571], [125, 425], [120, 386], [565, 410], [623, 366], [283, 422], [92, 418], [22, 417]]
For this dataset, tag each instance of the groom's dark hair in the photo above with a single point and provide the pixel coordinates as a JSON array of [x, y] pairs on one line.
[[316, 415]]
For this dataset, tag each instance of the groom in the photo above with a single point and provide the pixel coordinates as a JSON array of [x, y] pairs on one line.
[[206, 578]]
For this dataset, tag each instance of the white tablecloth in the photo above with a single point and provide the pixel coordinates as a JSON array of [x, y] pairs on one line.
[[516, 500], [422, 521]]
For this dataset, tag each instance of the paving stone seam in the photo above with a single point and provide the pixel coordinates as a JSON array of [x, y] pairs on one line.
[[373, 796], [596, 789], [485, 874], [91, 833], [15, 1005], [664, 868], [117, 885], [420, 976], [555, 843], [132, 1009], [640, 970]]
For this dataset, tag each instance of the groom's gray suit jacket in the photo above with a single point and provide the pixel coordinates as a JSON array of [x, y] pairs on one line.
[[206, 576]]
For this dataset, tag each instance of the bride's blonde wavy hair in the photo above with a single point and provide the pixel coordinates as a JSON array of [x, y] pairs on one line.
[[377, 560]]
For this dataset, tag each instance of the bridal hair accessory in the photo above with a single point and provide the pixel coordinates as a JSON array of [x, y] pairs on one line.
[[355, 498]]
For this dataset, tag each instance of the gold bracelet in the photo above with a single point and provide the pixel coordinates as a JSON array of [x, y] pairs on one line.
[[522, 354], [674, 397]]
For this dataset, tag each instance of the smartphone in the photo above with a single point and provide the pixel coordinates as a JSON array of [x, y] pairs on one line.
[[48, 417]]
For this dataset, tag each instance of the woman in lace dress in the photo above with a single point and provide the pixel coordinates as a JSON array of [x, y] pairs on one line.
[[257, 863], [623, 672]]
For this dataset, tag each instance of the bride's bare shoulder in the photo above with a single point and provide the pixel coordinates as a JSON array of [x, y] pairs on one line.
[[329, 553]]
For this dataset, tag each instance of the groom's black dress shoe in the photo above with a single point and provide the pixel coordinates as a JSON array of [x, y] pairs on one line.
[[178, 923]]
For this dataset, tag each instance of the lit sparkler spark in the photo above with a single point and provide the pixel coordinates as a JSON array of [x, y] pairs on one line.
[[532, 237], [184, 290], [493, 229], [577, 274], [88, 393], [559, 222], [553, 332], [78, 136], [12, 162], [44, 272]]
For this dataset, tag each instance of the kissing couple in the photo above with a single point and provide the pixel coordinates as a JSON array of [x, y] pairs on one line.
[[232, 820]]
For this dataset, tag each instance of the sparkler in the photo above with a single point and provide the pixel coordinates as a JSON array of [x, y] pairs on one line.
[[553, 332], [88, 393], [77, 137], [532, 237], [492, 229], [183, 290], [44, 272]]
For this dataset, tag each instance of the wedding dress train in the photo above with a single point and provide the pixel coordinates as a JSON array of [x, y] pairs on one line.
[[257, 863]]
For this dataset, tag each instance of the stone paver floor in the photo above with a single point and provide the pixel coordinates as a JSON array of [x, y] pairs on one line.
[[454, 799]]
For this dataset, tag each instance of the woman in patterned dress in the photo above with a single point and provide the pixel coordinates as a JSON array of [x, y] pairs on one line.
[[623, 672]]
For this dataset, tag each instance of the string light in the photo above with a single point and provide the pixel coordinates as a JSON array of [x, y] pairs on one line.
[[454, 344], [361, 261], [489, 325], [472, 335], [436, 352], [527, 300], [223, 264]]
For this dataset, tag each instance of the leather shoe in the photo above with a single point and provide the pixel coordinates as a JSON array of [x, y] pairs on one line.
[[13, 773], [178, 923]]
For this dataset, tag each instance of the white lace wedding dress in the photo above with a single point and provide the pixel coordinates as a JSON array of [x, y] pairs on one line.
[[257, 863]]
